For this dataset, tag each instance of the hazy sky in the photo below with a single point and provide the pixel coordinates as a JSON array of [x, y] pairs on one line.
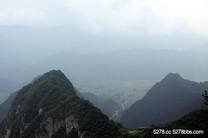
[[117, 17], [33, 30]]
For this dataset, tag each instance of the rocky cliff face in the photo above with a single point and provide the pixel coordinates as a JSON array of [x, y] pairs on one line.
[[50, 108], [51, 126]]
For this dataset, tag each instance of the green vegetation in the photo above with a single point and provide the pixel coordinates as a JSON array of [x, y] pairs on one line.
[[89, 118], [196, 120], [205, 97], [49, 102], [135, 133], [50, 106]]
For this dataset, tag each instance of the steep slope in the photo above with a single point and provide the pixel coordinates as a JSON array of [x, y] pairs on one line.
[[50, 108], [166, 101], [196, 120], [107, 107]]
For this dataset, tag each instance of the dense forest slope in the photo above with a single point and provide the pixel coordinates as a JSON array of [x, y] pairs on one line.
[[49, 107], [107, 107]]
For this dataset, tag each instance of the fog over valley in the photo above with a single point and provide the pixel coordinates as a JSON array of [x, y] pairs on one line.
[[32, 33], [83, 57], [136, 62]]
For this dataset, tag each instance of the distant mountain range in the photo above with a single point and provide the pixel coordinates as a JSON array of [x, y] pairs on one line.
[[166, 101], [6, 85], [4, 107], [108, 107], [118, 65], [49, 107]]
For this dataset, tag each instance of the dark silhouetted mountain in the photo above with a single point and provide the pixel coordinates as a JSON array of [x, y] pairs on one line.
[[108, 107], [196, 120], [166, 101], [4, 107], [50, 108]]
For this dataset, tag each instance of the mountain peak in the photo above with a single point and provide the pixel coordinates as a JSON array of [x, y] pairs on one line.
[[172, 76], [51, 73], [166, 101], [49, 107], [55, 78], [55, 74]]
